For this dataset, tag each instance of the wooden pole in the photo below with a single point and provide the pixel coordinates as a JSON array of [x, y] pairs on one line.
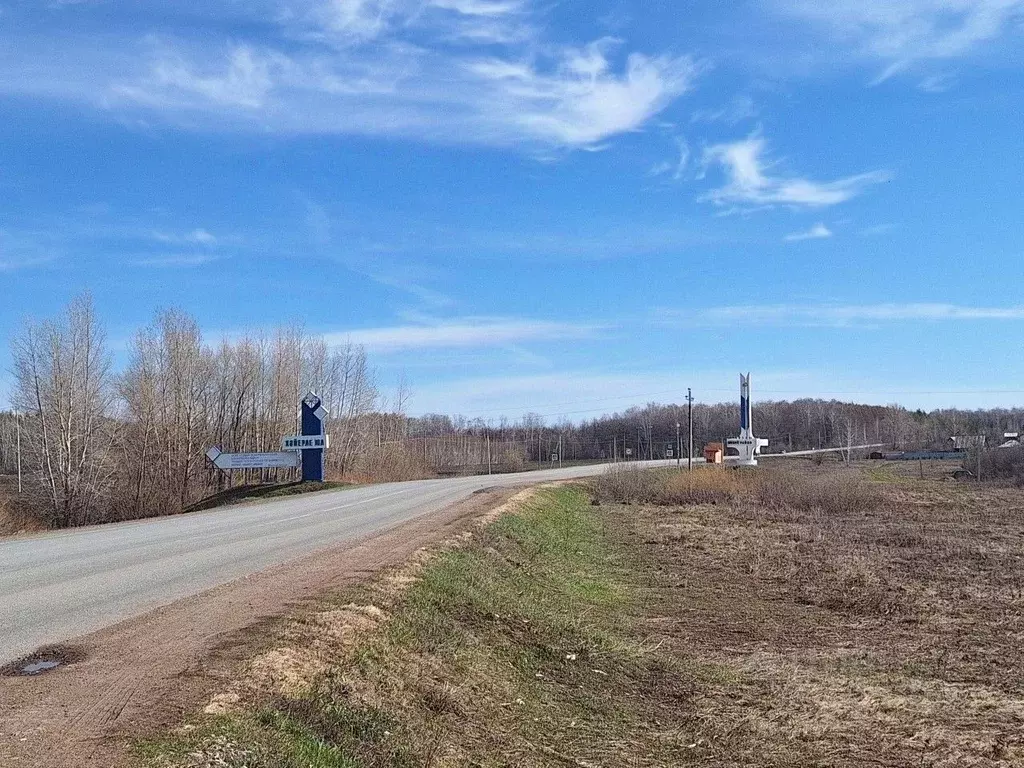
[[17, 421]]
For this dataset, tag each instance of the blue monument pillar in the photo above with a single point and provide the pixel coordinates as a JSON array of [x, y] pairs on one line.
[[313, 417]]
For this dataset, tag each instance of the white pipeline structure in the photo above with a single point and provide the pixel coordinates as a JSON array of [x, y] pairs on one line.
[[746, 446]]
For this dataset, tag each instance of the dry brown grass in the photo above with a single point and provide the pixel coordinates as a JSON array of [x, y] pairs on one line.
[[772, 618], [13, 520], [855, 623], [836, 491]]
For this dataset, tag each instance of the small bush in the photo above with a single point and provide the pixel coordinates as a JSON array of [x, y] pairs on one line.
[[835, 493], [1002, 464], [14, 520], [628, 485], [706, 486]]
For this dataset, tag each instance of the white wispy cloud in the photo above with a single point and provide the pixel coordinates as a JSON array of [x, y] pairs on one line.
[[354, 21], [488, 8], [750, 183], [573, 97], [357, 19], [424, 295], [676, 168], [817, 232], [877, 230], [736, 111], [452, 71], [245, 79], [171, 260], [194, 237], [24, 250], [901, 32], [581, 99], [462, 333], [843, 315], [936, 83], [12, 265]]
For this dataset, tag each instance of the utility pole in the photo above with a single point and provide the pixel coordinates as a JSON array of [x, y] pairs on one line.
[[488, 451], [559, 450], [17, 422], [679, 447], [689, 427]]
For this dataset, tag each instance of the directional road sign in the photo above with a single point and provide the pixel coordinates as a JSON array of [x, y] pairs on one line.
[[229, 461]]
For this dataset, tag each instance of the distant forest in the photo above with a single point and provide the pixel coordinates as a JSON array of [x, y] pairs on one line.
[[98, 445]]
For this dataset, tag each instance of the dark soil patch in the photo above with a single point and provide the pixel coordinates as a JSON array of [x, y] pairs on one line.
[[44, 660]]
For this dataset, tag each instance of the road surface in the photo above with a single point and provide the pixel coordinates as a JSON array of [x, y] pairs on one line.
[[58, 586]]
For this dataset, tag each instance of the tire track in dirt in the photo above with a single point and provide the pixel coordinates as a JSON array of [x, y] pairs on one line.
[[147, 674]]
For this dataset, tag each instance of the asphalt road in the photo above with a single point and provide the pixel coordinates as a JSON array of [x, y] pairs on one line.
[[59, 586]]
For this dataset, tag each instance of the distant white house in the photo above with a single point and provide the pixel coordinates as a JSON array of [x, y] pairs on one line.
[[1011, 440]]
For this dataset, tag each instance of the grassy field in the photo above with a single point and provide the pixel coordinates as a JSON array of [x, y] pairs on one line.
[[821, 617]]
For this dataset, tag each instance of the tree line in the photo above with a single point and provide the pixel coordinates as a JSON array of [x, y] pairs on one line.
[[650, 431], [99, 445]]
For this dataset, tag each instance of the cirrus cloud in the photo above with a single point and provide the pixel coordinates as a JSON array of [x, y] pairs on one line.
[[749, 181], [901, 32], [461, 333], [843, 315], [449, 71], [817, 232]]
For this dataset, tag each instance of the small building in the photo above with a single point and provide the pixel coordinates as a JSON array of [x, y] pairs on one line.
[[714, 453], [1011, 440], [967, 442]]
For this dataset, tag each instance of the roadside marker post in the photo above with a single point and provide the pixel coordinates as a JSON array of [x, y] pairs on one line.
[[313, 416], [305, 451]]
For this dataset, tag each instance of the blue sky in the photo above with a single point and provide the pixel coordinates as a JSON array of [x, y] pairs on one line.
[[521, 205]]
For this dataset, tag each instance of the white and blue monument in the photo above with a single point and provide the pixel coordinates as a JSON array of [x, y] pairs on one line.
[[747, 447]]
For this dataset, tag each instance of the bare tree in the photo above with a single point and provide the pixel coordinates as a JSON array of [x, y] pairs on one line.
[[62, 379]]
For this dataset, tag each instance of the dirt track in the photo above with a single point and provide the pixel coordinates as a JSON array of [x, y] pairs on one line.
[[147, 674]]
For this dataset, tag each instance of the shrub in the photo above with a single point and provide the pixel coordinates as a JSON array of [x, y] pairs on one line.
[[628, 485], [834, 493], [1001, 464], [14, 520], [713, 485]]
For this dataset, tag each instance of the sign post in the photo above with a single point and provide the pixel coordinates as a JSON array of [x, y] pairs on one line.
[[313, 416], [305, 450]]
